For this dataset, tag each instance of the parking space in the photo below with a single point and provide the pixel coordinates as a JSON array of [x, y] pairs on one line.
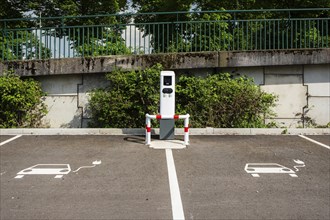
[[215, 185], [129, 183], [118, 177]]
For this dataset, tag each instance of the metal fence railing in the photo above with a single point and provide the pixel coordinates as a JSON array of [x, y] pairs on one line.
[[147, 33]]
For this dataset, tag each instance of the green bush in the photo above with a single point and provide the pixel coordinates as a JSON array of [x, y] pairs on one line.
[[224, 102], [216, 100], [21, 102], [126, 101]]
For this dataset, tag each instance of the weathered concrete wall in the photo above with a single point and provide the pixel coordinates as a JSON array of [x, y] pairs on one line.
[[287, 83], [196, 60], [62, 100], [274, 58], [317, 80], [67, 98], [303, 88], [300, 79]]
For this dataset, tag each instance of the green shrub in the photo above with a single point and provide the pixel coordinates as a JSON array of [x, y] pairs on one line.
[[21, 102], [216, 100], [222, 101], [126, 101]]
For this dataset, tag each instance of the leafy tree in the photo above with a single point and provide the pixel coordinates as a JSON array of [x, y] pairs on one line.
[[16, 43], [205, 5], [54, 8], [10, 9], [211, 33], [21, 102], [169, 35], [221, 31], [101, 34]]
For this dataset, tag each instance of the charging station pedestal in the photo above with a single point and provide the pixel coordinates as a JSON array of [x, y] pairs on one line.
[[167, 104], [167, 117], [166, 129]]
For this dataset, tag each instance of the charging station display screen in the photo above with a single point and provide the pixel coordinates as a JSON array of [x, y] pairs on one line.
[[167, 80]]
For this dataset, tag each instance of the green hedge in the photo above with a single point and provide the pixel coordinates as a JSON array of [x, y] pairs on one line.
[[223, 102], [21, 102], [216, 100]]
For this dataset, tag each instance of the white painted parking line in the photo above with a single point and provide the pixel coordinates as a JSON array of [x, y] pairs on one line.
[[314, 141], [177, 209], [9, 140]]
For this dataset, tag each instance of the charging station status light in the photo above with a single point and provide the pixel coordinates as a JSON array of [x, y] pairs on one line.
[[167, 80]]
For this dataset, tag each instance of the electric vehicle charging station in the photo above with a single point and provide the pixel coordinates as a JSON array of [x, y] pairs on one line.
[[167, 114], [167, 104]]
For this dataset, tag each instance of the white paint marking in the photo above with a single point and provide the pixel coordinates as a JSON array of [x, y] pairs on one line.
[[46, 169], [177, 209], [9, 140], [316, 142], [167, 144], [96, 162], [300, 164], [293, 175], [257, 168], [19, 176]]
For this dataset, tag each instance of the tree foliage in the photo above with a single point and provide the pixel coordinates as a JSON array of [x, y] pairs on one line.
[[18, 45], [161, 40], [167, 32], [216, 100], [56, 8], [90, 41], [211, 31], [21, 102]]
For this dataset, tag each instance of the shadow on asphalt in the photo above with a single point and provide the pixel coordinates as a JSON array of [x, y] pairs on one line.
[[136, 139]]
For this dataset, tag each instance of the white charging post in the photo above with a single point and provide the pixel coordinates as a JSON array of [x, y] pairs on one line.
[[167, 114], [167, 104]]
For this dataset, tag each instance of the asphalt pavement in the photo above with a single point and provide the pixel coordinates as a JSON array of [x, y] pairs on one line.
[[119, 177]]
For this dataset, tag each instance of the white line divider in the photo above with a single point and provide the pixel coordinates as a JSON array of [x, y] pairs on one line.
[[177, 208], [314, 141], [11, 139]]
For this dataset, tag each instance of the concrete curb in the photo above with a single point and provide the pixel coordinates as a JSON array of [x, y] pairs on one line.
[[155, 131]]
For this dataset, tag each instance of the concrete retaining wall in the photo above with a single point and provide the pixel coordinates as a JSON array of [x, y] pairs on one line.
[[193, 60], [303, 91], [300, 79], [300, 89]]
